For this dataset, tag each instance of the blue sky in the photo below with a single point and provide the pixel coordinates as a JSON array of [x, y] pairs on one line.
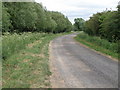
[[79, 8]]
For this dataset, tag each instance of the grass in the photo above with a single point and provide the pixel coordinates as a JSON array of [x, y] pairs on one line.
[[99, 44], [29, 66], [14, 43]]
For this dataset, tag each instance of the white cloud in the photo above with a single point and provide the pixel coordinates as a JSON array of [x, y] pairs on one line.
[[79, 8]]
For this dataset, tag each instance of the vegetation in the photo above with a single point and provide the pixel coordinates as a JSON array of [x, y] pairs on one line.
[[20, 17], [26, 68], [32, 17], [0, 17], [102, 31], [27, 28], [14, 43], [62, 24], [102, 23], [27, 64], [79, 24], [99, 44]]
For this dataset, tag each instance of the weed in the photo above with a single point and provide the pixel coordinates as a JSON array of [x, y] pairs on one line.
[[99, 44]]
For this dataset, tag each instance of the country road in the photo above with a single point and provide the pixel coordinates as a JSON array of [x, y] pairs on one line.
[[75, 66]]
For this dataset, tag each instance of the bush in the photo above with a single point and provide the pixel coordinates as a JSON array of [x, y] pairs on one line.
[[32, 17], [113, 47]]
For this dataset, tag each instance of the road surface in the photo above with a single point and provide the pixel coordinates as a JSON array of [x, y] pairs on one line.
[[75, 66]]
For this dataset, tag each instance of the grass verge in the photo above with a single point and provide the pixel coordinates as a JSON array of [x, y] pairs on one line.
[[99, 44], [28, 68]]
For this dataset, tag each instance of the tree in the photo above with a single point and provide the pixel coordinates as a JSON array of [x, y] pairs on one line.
[[6, 22], [41, 17], [118, 18], [63, 24], [32, 17], [69, 25], [49, 23], [109, 26], [105, 24], [0, 17], [93, 25], [79, 24], [23, 15]]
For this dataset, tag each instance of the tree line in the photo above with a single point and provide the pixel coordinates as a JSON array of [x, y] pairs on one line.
[[32, 17], [104, 24]]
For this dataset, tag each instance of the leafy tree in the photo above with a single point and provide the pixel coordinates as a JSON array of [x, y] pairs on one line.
[[63, 24], [118, 18], [41, 17], [79, 24], [6, 22], [23, 15], [49, 23], [93, 25], [69, 25], [109, 26], [0, 16], [105, 24], [32, 17]]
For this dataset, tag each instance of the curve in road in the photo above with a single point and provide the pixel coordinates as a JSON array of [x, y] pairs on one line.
[[75, 66]]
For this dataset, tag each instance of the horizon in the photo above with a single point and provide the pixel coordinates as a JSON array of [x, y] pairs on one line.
[[78, 8]]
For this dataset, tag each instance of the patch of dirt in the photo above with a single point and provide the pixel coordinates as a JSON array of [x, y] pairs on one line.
[[34, 43], [17, 68], [26, 60], [55, 75], [35, 55], [38, 55], [36, 72]]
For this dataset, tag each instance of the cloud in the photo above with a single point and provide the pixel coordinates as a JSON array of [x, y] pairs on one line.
[[79, 8]]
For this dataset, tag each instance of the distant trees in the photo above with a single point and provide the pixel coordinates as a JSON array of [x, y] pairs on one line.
[[32, 17], [105, 25], [62, 22], [93, 25], [79, 24]]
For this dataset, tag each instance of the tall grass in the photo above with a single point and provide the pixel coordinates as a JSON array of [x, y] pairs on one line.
[[27, 60], [14, 43], [30, 67], [110, 48]]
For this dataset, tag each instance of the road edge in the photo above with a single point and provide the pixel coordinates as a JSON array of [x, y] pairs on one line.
[[98, 52]]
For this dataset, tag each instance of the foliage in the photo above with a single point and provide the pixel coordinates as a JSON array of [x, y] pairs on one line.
[[32, 17], [99, 44], [51, 25], [28, 68], [6, 20], [0, 17], [93, 25], [14, 43], [109, 26], [79, 24], [100, 24], [63, 24]]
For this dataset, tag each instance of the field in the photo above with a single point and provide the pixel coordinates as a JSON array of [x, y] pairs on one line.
[[25, 60], [99, 44]]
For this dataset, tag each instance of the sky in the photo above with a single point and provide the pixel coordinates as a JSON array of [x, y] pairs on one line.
[[79, 8]]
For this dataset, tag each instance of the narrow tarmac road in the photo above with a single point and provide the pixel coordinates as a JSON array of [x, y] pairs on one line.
[[75, 66]]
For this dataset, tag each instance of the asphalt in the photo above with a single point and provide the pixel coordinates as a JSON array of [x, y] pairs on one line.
[[75, 66]]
